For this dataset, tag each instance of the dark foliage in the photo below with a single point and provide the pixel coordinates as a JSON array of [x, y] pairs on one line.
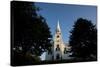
[[29, 31], [83, 40]]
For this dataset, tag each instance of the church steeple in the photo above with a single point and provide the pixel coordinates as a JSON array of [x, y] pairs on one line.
[[58, 48], [58, 43]]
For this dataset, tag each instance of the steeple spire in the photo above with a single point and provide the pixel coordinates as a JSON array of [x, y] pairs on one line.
[[58, 26]]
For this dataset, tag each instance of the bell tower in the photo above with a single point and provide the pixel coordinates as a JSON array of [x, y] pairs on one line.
[[59, 50], [58, 43]]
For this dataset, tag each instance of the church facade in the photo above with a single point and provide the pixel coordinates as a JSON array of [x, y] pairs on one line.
[[59, 50]]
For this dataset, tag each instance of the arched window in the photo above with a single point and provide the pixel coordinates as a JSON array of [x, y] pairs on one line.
[[57, 45], [57, 48], [57, 36]]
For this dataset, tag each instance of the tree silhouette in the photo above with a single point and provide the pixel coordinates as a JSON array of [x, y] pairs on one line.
[[30, 32], [83, 40]]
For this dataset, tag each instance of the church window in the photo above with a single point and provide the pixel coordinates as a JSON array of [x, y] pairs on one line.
[[57, 36], [57, 49], [58, 46]]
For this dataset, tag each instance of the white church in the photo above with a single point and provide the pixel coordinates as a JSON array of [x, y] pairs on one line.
[[59, 50]]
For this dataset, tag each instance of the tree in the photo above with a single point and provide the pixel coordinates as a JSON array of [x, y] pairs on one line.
[[83, 40], [29, 31]]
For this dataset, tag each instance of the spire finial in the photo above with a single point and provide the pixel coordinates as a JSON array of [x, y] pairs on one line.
[[58, 26]]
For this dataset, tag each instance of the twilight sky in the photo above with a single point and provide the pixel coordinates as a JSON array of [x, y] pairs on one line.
[[67, 15]]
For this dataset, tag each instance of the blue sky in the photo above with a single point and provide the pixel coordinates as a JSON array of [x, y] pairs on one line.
[[67, 14]]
